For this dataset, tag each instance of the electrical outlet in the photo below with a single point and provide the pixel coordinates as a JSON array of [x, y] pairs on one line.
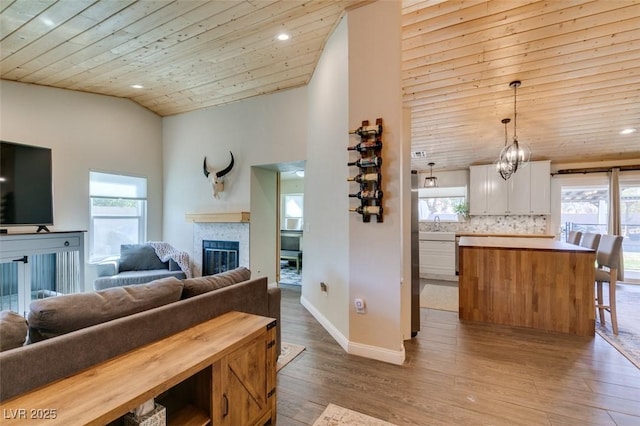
[[323, 287], [359, 304]]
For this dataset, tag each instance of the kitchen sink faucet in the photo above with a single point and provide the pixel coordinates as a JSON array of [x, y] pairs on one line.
[[436, 221]]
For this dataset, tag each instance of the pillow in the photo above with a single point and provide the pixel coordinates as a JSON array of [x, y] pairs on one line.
[[54, 316], [13, 330], [196, 286], [139, 257]]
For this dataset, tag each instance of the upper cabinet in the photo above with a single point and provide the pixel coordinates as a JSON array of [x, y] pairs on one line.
[[526, 192]]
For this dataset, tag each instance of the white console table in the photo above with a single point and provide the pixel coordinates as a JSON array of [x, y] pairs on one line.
[[37, 265]]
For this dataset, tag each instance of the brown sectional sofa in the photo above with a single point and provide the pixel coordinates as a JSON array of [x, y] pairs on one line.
[[73, 332]]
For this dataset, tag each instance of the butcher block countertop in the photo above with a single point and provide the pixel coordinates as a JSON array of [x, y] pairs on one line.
[[521, 243], [475, 234]]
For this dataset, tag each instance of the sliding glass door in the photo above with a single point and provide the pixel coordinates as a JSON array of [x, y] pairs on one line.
[[630, 221], [585, 207]]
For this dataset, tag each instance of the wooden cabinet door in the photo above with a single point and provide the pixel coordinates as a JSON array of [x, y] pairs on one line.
[[247, 390]]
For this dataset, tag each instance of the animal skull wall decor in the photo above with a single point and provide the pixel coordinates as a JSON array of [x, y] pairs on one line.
[[217, 179]]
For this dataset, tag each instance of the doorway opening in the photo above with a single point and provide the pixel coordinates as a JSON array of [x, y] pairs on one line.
[[291, 221]]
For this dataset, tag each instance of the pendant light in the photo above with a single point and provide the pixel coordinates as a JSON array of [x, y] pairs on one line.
[[516, 155], [430, 181], [503, 168]]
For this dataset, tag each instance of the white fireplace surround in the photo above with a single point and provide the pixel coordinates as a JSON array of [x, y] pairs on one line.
[[222, 231]]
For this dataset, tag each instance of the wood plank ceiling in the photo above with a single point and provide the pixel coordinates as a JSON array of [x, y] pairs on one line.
[[578, 60]]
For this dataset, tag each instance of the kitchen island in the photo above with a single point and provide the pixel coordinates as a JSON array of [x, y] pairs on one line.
[[527, 282]]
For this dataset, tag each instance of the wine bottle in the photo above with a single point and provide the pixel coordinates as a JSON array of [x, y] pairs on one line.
[[367, 210], [376, 145], [365, 177], [368, 195], [374, 161], [367, 130]]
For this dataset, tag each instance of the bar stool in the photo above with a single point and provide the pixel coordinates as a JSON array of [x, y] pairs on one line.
[[607, 256], [574, 237], [590, 240]]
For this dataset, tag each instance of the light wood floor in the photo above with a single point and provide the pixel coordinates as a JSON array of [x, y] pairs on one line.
[[459, 373]]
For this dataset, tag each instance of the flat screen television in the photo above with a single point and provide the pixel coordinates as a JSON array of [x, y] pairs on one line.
[[26, 185]]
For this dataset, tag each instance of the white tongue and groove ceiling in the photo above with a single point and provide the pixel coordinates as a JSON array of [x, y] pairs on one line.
[[579, 63]]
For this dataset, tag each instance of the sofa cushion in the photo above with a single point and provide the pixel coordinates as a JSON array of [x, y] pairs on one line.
[[59, 315], [199, 285], [13, 330], [139, 257]]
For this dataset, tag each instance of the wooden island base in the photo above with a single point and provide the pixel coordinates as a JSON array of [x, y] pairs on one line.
[[536, 283]]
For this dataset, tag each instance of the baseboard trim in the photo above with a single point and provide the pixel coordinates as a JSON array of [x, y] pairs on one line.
[[326, 324], [377, 353], [354, 348]]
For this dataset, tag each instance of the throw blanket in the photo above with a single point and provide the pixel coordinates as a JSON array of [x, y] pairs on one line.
[[166, 251]]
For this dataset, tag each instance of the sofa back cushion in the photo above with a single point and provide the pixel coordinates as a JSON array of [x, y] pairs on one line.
[[199, 285], [54, 316], [13, 330], [139, 257]]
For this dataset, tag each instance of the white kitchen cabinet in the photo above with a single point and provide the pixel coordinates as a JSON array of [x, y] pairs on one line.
[[518, 191], [540, 187], [437, 258], [497, 200], [526, 192], [478, 190]]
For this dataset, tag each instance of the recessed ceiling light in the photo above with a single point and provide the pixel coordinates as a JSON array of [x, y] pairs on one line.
[[137, 86], [283, 36], [627, 131]]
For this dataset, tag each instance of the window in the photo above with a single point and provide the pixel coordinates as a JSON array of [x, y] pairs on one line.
[[293, 211], [118, 213], [441, 202]]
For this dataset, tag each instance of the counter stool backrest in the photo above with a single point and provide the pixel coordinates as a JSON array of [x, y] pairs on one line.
[[608, 253], [590, 240], [574, 237]]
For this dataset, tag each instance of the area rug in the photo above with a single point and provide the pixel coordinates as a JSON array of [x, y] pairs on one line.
[[287, 353], [627, 341], [439, 295], [335, 415], [289, 274]]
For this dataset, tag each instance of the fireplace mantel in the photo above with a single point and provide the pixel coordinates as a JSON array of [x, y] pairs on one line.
[[232, 217]]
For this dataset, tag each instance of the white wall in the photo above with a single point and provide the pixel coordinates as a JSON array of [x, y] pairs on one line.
[[376, 267], [86, 132], [326, 229], [353, 258], [446, 178], [259, 131]]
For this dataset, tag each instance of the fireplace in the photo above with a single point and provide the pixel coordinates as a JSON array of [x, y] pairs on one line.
[[219, 231], [219, 256]]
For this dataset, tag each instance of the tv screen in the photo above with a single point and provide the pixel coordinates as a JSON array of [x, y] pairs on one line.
[[26, 185]]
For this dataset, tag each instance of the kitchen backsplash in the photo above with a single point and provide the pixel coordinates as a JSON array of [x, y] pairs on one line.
[[492, 225]]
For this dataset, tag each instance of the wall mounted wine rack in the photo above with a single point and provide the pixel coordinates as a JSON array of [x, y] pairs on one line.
[[369, 176]]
